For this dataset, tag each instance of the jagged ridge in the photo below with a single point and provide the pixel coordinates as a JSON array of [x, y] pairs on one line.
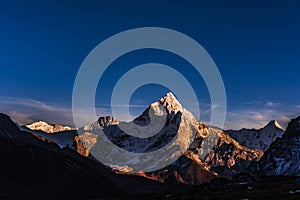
[[283, 156], [258, 138]]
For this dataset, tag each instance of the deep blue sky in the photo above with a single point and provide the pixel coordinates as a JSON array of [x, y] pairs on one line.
[[255, 44]]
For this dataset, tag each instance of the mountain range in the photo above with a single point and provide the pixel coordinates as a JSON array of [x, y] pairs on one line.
[[45, 157]]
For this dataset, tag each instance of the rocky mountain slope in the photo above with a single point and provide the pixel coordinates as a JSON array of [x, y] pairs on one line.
[[283, 156], [258, 138], [212, 152], [228, 156], [172, 128]]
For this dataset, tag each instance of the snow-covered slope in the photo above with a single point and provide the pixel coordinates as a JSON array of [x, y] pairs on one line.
[[48, 128], [283, 156], [258, 138]]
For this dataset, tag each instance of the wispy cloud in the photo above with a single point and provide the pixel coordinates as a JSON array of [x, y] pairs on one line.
[[272, 104], [253, 103], [258, 114], [124, 105], [251, 115], [25, 111]]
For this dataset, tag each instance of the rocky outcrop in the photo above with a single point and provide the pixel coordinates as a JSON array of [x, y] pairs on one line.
[[224, 155], [84, 142]]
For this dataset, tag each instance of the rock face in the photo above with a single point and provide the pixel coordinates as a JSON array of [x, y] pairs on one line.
[[224, 155], [48, 128], [228, 157], [101, 123], [84, 142], [283, 156], [258, 138]]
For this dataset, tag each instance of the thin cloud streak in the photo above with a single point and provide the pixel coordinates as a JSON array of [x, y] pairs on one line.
[[272, 104], [124, 105], [258, 116], [25, 111]]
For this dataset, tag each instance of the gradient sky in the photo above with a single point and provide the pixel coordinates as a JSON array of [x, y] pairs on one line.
[[255, 44]]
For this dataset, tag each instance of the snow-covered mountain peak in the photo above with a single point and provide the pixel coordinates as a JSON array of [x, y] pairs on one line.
[[170, 102], [38, 124], [163, 132], [144, 145], [49, 128], [274, 124], [258, 138]]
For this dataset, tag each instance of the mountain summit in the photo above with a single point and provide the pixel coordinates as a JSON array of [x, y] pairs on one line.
[[163, 132], [209, 150], [170, 102], [283, 156], [258, 138], [274, 124], [48, 128]]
